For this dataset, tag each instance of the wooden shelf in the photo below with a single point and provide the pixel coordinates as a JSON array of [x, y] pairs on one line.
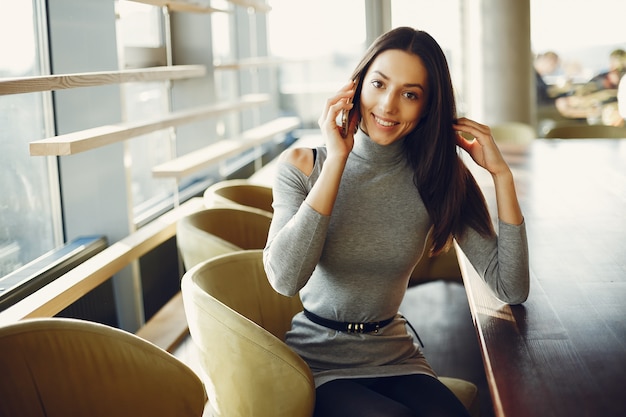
[[247, 63], [84, 140], [92, 79], [219, 151]]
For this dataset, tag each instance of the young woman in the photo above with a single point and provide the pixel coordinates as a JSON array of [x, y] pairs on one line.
[[351, 221]]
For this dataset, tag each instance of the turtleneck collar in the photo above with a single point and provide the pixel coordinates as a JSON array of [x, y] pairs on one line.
[[367, 149]]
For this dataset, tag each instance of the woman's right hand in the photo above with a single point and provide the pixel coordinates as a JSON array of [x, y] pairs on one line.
[[337, 145], [323, 194]]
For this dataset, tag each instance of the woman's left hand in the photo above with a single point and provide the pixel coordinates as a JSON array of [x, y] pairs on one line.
[[485, 152], [483, 148]]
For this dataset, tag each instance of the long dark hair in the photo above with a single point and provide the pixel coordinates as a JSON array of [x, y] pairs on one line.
[[449, 191]]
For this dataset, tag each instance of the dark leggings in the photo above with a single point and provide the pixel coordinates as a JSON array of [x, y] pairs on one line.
[[394, 396]]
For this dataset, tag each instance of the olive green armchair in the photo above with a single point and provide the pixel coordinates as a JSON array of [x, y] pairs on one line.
[[219, 230], [57, 367], [239, 192], [444, 266], [238, 323]]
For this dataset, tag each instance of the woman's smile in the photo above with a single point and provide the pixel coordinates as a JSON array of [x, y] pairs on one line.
[[384, 122]]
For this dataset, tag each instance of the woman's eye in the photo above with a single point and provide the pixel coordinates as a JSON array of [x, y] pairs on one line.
[[376, 84], [411, 96]]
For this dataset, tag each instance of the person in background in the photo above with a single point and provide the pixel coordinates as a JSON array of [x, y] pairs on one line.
[[551, 83], [609, 80], [351, 221], [595, 100], [550, 80]]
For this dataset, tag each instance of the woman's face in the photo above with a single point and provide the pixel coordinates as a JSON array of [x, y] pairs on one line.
[[393, 96]]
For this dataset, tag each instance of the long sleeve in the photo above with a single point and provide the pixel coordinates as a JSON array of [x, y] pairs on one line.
[[502, 261], [297, 233]]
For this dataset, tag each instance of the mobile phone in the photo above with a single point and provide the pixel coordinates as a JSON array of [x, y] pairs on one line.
[[345, 121], [347, 115]]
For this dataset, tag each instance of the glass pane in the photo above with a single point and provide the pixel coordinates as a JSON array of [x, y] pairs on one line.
[[580, 55], [226, 81], [319, 60], [139, 29], [586, 40], [145, 101], [442, 20], [27, 209], [220, 27], [139, 24]]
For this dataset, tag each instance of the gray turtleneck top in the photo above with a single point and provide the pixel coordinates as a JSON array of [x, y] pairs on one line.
[[355, 264]]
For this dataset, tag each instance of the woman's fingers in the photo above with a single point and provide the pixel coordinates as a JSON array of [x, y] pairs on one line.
[[483, 149], [332, 112], [481, 133], [477, 130], [334, 105]]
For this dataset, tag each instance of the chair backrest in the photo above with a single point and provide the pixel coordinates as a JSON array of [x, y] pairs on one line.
[[238, 322], [513, 133], [239, 192], [65, 367], [444, 266], [219, 230], [586, 131]]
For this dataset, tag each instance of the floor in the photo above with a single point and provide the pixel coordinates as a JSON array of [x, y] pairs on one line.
[[440, 314]]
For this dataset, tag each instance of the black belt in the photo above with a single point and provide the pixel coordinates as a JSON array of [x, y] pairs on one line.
[[347, 327]]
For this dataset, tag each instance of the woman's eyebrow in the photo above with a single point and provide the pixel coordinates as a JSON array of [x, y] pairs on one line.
[[386, 78]]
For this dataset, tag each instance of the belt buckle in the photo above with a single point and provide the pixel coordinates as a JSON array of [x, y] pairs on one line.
[[356, 328]]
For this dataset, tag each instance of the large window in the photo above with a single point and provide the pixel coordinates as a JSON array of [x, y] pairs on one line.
[[583, 34], [321, 42], [30, 221], [573, 41], [145, 39]]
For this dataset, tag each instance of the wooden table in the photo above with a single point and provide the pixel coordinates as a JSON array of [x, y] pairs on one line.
[[562, 352]]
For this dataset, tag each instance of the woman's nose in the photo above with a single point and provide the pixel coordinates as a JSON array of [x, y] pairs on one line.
[[388, 103]]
